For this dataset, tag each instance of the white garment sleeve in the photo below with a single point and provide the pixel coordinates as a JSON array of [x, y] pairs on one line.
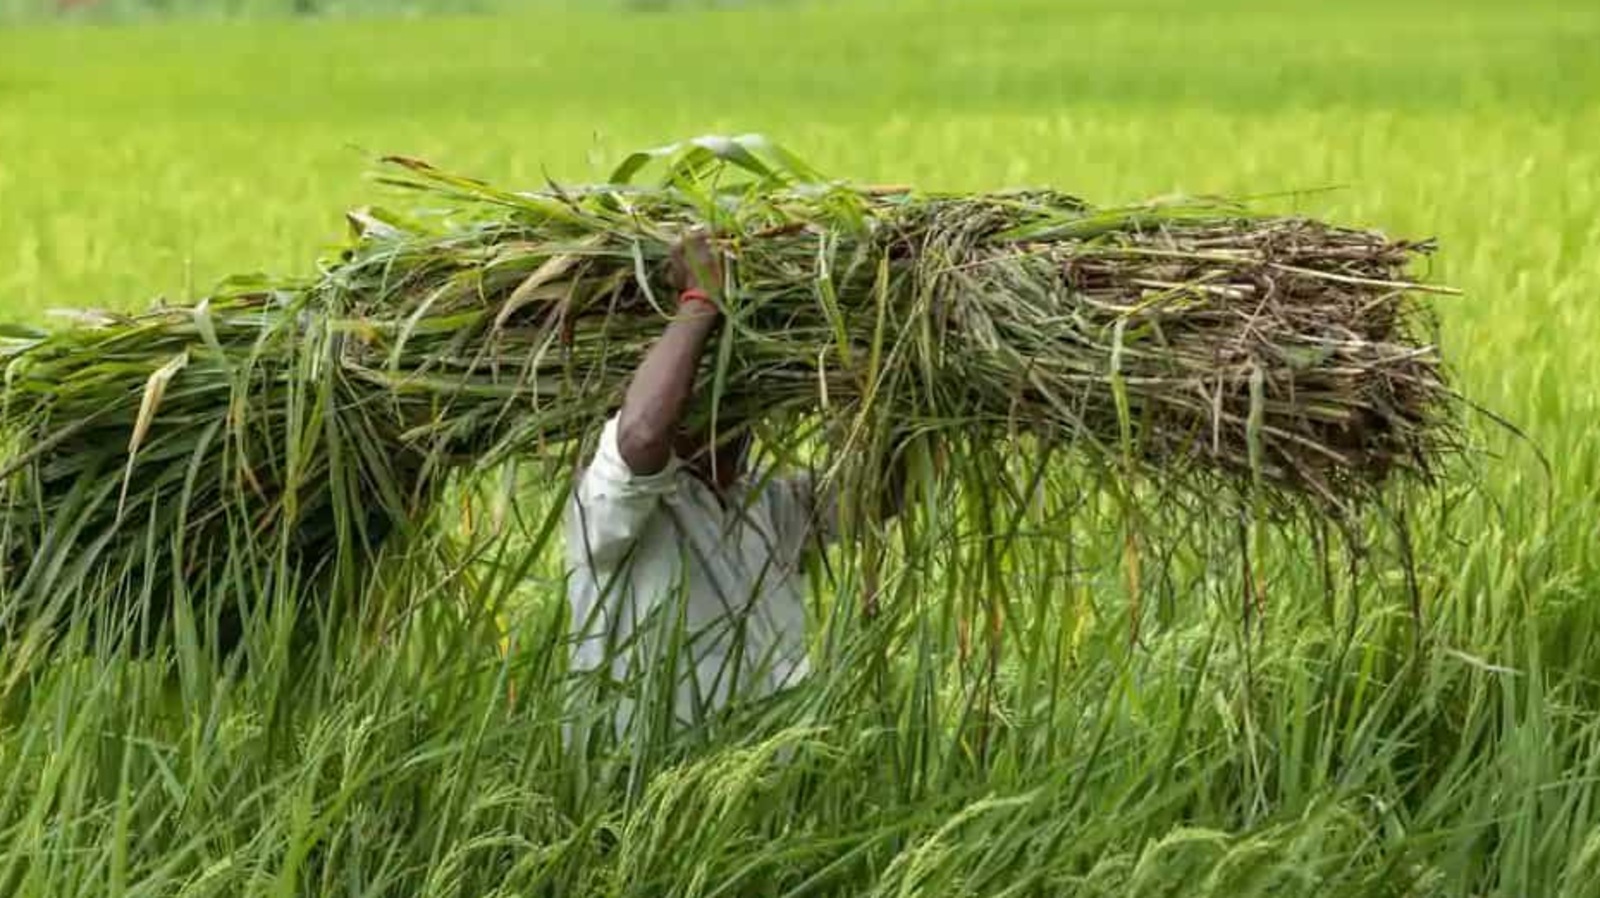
[[612, 504], [804, 515]]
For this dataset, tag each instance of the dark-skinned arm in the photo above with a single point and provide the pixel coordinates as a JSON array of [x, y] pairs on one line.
[[659, 393]]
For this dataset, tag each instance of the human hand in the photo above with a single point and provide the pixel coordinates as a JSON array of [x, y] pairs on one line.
[[696, 264]]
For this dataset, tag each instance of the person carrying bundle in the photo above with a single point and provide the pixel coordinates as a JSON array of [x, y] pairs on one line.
[[680, 559]]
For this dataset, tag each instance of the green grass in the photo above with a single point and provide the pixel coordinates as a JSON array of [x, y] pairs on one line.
[[1313, 752]]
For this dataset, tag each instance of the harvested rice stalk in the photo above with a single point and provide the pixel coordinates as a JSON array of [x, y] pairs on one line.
[[301, 423]]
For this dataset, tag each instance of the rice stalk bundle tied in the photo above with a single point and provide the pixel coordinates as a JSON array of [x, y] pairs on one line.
[[1194, 343]]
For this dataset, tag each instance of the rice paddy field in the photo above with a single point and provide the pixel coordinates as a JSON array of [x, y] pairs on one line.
[[1179, 700]]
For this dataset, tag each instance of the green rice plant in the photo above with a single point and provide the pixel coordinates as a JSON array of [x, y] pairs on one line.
[[1317, 759]]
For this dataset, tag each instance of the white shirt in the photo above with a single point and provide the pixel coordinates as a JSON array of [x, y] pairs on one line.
[[659, 564]]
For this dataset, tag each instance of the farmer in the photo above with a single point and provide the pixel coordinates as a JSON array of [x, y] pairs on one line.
[[674, 551]]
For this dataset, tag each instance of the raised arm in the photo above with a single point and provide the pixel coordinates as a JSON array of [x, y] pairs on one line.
[[660, 389]]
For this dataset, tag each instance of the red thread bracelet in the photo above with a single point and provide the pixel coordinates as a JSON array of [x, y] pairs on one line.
[[695, 294]]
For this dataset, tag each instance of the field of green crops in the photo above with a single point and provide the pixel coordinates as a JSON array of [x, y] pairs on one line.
[[1317, 738]]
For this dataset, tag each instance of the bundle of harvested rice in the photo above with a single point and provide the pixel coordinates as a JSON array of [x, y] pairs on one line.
[[296, 424]]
